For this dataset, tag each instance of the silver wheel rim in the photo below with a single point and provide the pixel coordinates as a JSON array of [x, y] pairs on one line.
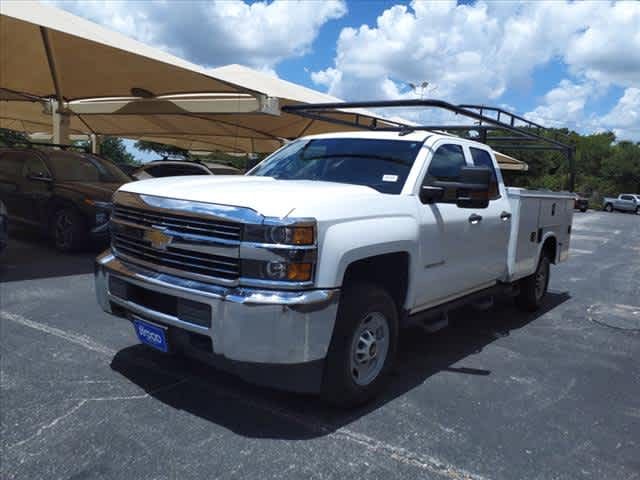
[[541, 281], [369, 348], [64, 230]]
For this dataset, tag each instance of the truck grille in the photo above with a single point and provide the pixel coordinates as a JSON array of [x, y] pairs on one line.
[[199, 248], [215, 229], [178, 259]]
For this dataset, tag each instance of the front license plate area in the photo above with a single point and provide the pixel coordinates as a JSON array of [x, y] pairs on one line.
[[151, 334]]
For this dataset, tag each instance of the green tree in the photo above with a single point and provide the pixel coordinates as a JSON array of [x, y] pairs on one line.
[[115, 150], [11, 137], [162, 150], [112, 148]]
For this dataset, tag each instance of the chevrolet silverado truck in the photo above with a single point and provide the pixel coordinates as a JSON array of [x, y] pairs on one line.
[[301, 274], [626, 202]]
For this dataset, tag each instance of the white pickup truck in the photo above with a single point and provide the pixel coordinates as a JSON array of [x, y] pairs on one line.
[[301, 274]]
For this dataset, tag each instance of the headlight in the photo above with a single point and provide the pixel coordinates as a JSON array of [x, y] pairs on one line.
[[279, 251], [279, 271], [280, 234]]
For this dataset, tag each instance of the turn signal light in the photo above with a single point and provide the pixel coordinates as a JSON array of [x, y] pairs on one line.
[[302, 235], [299, 272]]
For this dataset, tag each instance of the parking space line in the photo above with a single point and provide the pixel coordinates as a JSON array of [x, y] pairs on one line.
[[78, 339], [423, 462]]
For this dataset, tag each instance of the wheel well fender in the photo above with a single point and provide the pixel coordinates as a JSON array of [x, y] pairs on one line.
[[549, 247], [57, 204], [389, 270]]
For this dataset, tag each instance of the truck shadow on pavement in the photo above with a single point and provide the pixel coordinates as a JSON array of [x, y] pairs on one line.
[[259, 412]]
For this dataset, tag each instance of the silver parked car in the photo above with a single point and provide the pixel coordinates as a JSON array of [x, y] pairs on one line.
[[626, 202]]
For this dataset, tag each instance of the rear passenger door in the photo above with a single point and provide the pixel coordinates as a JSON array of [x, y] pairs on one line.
[[491, 238]]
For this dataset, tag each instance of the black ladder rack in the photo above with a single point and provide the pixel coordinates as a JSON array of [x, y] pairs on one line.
[[524, 134]]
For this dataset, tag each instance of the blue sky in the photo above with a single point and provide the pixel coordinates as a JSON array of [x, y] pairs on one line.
[[574, 64]]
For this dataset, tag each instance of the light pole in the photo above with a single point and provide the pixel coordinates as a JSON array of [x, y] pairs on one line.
[[423, 87]]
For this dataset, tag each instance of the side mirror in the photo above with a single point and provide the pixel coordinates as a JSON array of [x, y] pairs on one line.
[[473, 191], [431, 194], [39, 177]]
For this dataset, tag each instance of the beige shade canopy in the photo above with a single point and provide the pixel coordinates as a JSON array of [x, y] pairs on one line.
[[49, 53], [46, 53], [507, 162], [89, 60]]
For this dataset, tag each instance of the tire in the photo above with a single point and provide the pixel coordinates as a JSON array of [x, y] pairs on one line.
[[534, 287], [583, 210], [354, 372], [68, 230], [637, 210], [608, 208]]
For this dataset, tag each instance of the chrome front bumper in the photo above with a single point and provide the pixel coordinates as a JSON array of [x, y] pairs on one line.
[[247, 325]]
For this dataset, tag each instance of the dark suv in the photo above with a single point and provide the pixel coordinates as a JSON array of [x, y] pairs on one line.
[[63, 193]]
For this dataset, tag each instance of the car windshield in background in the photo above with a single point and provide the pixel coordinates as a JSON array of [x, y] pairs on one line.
[[380, 164], [84, 167]]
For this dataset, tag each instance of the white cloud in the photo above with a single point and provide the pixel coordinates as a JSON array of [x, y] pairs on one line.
[[564, 105], [216, 33], [475, 53], [624, 117], [608, 50]]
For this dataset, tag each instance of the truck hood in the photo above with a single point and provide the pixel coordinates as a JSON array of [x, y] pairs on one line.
[[265, 195]]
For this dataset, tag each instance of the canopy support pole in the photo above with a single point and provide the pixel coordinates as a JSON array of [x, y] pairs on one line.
[[52, 65], [61, 121], [60, 118], [95, 143]]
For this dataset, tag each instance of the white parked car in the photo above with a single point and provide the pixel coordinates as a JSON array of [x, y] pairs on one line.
[[175, 168], [300, 274]]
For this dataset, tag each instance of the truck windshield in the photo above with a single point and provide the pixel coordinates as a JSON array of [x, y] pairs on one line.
[[84, 167], [379, 164]]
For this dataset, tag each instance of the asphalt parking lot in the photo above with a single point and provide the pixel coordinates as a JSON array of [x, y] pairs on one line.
[[498, 395]]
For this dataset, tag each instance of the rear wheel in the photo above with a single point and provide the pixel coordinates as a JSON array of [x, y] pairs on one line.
[[363, 346], [534, 287], [608, 207], [583, 210], [69, 230]]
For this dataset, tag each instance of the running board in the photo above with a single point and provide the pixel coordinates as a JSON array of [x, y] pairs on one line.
[[437, 318]]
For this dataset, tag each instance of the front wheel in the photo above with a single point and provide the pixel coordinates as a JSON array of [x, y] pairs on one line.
[[363, 346], [583, 210], [608, 208], [534, 287], [69, 230]]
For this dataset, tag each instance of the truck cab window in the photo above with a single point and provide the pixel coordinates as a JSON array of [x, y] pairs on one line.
[[481, 158], [445, 166]]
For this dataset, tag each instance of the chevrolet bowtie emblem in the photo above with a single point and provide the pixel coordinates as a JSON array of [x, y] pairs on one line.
[[157, 239]]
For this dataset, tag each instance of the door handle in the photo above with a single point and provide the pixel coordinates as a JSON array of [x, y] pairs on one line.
[[504, 216], [474, 218]]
